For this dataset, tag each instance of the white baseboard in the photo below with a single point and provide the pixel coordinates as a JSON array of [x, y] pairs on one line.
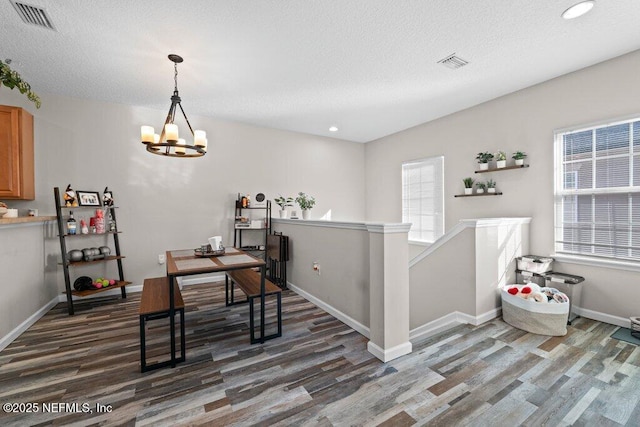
[[109, 293], [196, 280], [15, 333], [451, 320], [349, 321], [182, 281], [436, 326], [603, 317], [390, 353]]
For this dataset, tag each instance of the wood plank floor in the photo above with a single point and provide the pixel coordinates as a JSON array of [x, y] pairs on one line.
[[318, 374]]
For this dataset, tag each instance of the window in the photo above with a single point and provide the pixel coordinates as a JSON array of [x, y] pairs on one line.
[[423, 198], [597, 194]]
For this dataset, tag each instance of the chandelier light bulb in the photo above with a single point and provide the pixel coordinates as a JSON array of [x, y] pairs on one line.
[[171, 132], [180, 146], [146, 134], [199, 138]]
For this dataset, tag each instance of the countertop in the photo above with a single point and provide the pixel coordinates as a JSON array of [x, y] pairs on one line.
[[26, 219]]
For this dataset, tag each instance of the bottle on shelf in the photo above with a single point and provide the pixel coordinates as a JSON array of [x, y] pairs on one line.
[[72, 225], [248, 201], [83, 227]]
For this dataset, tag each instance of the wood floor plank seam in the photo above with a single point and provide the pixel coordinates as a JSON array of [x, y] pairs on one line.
[[318, 373]]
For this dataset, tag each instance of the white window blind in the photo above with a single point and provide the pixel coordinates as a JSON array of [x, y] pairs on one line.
[[597, 194], [423, 198]]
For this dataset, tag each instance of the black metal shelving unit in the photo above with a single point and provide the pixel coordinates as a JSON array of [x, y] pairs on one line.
[[66, 264], [245, 227]]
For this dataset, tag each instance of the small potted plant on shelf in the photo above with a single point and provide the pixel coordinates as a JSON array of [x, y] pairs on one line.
[[519, 156], [283, 202], [501, 159], [480, 187], [306, 203], [468, 185], [491, 186], [484, 159]]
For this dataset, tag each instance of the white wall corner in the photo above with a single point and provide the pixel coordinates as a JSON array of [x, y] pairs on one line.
[[389, 354]]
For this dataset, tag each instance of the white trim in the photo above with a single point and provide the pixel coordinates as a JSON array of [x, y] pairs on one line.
[[601, 123], [493, 222], [485, 317], [435, 327], [390, 353], [372, 227], [197, 280], [460, 227], [182, 281], [349, 321], [389, 228], [602, 317], [451, 320], [457, 229], [320, 223], [420, 243], [18, 330], [597, 262]]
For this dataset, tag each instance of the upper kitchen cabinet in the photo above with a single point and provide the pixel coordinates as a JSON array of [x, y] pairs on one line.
[[16, 154]]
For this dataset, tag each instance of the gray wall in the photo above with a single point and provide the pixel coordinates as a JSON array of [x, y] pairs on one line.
[[343, 255], [524, 120], [169, 203]]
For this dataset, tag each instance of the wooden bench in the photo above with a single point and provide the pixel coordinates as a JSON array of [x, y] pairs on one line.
[[249, 282], [154, 304]]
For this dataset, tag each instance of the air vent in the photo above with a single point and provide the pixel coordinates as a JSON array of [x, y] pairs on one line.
[[33, 15], [452, 61]]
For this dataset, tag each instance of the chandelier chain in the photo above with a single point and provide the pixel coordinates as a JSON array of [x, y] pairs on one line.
[[175, 76]]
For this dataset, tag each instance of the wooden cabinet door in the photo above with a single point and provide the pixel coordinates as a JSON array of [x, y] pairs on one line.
[[16, 154]]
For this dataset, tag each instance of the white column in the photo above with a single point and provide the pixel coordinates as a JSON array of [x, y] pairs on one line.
[[388, 291]]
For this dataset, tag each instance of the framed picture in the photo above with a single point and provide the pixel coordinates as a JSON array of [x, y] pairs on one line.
[[88, 198]]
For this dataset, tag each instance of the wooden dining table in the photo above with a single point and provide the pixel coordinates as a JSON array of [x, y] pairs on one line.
[[185, 262]]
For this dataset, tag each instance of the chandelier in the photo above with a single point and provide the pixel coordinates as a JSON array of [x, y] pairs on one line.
[[168, 143]]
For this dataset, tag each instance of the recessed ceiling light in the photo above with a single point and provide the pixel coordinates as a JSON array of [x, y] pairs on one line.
[[578, 9], [333, 129]]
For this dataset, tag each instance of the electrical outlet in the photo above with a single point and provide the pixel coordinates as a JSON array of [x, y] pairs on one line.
[[316, 267], [162, 258]]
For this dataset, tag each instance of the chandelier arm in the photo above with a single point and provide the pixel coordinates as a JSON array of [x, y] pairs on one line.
[[185, 118]]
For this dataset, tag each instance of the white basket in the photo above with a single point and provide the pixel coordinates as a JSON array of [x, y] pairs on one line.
[[534, 317], [534, 264]]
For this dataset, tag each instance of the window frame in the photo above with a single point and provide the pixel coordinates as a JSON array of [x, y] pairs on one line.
[[439, 217], [609, 261]]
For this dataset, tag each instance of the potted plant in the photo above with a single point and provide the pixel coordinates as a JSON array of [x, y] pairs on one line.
[[306, 203], [283, 202], [12, 79], [491, 186], [501, 159], [468, 185], [484, 159], [480, 187], [519, 156]]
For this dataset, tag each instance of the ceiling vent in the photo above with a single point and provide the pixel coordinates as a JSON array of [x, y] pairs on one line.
[[33, 15], [452, 61]]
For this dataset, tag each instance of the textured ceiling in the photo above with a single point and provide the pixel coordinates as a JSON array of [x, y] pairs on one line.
[[367, 66]]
